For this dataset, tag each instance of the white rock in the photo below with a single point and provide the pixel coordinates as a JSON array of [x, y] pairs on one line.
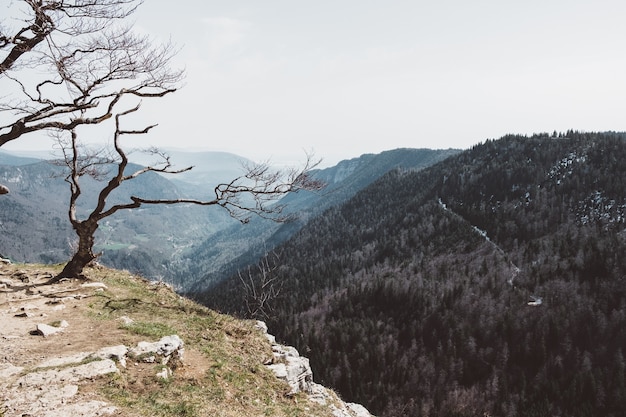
[[68, 375], [167, 346], [64, 360], [83, 409], [94, 285], [47, 330], [358, 410], [261, 326], [117, 353], [36, 401], [7, 370], [165, 373], [279, 369], [296, 371]]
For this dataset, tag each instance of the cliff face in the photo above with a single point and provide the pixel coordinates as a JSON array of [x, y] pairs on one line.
[[119, 345]]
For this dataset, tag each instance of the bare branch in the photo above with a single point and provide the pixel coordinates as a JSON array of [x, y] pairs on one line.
[[92, 63], [263, 184], [260, 290]]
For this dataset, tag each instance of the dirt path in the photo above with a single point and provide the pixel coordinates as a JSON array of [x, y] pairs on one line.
[[40, 375]]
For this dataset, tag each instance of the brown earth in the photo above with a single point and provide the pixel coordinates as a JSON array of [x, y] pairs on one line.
[[222, 373]]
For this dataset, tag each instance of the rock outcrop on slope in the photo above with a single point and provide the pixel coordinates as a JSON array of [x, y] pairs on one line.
[[51, 388], [288, 365], [97, 348]]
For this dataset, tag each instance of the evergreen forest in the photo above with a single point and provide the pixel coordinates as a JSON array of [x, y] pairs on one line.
[[491, 283]]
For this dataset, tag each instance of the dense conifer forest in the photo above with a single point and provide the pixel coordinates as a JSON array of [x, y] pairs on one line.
[[492, 283]]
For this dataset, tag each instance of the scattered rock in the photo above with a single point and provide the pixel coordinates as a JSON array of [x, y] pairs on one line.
[[167, 347], [116, 353], [165, 373], [94, 285], [46, 330], [52, 388]]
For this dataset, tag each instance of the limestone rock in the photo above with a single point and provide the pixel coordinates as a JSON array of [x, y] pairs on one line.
[[116, 353], [287, 364], [94, 285], [358, 410], [168, 348], [165, 347], [83, 409], [46, 330], [69, 375], [165, 373]]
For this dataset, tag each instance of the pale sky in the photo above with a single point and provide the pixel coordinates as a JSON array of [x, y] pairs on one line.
[[272, 79]]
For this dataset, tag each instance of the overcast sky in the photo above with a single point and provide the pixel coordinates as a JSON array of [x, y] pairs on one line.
[[271, 79]]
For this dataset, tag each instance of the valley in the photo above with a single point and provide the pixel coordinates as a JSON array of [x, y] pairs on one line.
[[488, 281]]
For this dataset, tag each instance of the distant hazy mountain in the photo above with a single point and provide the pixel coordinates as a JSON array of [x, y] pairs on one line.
[[491, 283], [15, 160], [34, 225], [228, 250], [187, 245], [209, 169]]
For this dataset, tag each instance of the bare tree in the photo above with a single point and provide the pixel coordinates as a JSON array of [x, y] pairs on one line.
[[260, 290], [260, 183], [72, 64]]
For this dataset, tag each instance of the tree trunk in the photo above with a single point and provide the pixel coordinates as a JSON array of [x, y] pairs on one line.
[[84, 254]]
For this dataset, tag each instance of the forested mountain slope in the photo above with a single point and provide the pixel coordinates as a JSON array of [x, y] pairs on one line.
[[492, 283], [234, 248]]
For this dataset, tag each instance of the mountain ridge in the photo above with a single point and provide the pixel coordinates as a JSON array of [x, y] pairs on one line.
[[228, 251]]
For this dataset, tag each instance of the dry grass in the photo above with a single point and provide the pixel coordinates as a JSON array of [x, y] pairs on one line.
[[222, 373]]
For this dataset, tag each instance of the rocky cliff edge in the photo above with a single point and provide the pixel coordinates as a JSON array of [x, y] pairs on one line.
[[118, 345]]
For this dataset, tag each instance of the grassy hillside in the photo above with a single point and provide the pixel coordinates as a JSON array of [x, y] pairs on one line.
[[222, 373]]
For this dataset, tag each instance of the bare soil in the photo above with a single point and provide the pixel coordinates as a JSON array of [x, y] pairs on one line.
[[27, 300]]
